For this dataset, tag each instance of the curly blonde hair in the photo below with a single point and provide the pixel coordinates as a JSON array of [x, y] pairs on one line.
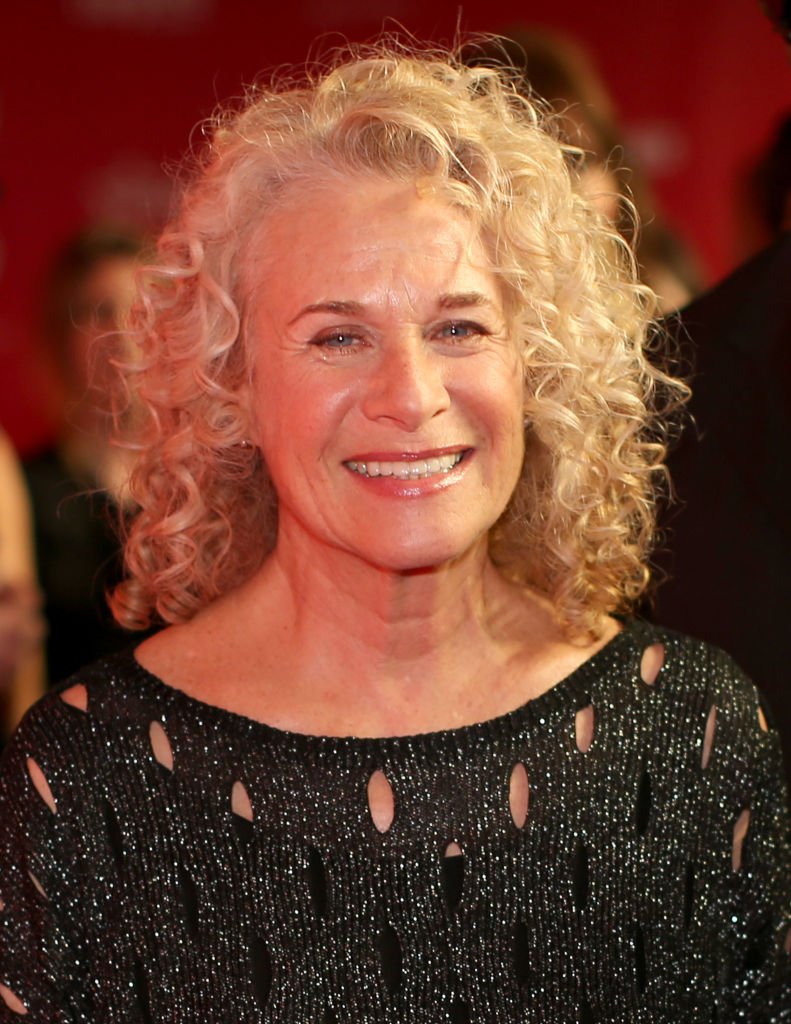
[[580, 522]]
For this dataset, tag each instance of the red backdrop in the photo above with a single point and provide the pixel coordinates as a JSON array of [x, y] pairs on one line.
[[96, 96]]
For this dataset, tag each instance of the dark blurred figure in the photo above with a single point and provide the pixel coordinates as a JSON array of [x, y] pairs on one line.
[[728, 552], [561, 72], [89, 292], [771, 182]]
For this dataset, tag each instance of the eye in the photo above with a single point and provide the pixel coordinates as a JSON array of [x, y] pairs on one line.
[[461, 329], [337, 340]]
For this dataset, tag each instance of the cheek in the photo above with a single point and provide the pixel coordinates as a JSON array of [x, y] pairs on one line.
[[300, 416], [498, 393], [506, 425]]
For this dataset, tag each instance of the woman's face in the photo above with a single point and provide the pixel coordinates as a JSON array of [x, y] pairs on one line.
[[388, 388], [102, 304]]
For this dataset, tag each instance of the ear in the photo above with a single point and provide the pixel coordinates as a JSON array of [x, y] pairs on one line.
[[250, 423]]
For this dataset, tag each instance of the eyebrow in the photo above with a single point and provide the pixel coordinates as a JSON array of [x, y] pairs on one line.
[[449, 300], [463, 300], [332, 306]]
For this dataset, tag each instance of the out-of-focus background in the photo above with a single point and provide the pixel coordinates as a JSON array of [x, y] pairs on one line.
[[99, 98]]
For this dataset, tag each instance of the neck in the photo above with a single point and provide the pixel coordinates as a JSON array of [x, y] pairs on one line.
[[341, 617], [399, 615], [320, 641]]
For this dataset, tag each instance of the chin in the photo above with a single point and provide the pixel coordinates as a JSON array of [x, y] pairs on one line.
[[420, 554]]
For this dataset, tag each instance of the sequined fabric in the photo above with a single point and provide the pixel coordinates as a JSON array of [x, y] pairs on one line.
[[134, 887]]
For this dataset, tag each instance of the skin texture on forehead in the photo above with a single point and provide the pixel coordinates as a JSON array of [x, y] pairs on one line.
[[274, 233]]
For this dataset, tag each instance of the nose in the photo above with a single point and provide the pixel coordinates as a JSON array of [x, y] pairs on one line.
[[408, 385]]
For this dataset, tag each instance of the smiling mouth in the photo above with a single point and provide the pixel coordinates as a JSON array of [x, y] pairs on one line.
[[417, 469]]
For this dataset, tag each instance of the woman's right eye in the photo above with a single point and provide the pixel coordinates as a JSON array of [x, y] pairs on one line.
[[338, 341]]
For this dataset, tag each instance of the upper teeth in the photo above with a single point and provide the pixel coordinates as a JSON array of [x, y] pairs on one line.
[[412, 470]]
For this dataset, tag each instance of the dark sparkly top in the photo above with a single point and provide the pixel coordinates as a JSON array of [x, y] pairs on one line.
[[143, 896]]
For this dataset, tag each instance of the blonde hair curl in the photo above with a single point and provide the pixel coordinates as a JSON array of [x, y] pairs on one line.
[[580, 523]]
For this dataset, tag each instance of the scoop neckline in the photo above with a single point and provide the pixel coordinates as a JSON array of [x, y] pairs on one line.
[[557, 696]]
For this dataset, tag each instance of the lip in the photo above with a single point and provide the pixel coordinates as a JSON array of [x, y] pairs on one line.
[[426, 453], [396, 487]]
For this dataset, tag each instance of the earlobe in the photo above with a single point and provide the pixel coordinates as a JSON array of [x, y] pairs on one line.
[[247, 420]]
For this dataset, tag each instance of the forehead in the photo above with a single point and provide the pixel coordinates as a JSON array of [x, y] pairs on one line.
[[346, 233]]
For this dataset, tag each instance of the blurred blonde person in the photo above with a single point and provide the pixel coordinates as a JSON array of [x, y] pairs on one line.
[[21, 658]]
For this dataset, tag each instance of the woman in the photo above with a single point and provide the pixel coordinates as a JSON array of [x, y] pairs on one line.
[[394, 759]]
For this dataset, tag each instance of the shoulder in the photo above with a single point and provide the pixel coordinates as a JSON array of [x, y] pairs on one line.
[[77, 742], [689, 662], [746, 310], [701, 692], [690, 668], [96, 699]]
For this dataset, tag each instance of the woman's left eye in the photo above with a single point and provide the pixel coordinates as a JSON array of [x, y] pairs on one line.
[[461, 329]]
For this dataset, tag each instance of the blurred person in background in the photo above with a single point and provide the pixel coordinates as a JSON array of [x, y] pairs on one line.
[[87, 297], [769, 187], [21, 624], [730, 532], [562, 73]]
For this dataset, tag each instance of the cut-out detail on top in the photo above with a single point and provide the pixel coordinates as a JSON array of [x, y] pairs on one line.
[[644, 803], [453, 875], [12, 1000], [39, 780], [518, 794], [261, 964], [580, 875], [381, 801], [390, 956], [640, 970], [316, 876], [240, 801], [583, 728], [708, 736], [521, 953], [740, 827], [76, 697], [762, 723], [37, 885], [651, 662], [160, 745], [141, 992]]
